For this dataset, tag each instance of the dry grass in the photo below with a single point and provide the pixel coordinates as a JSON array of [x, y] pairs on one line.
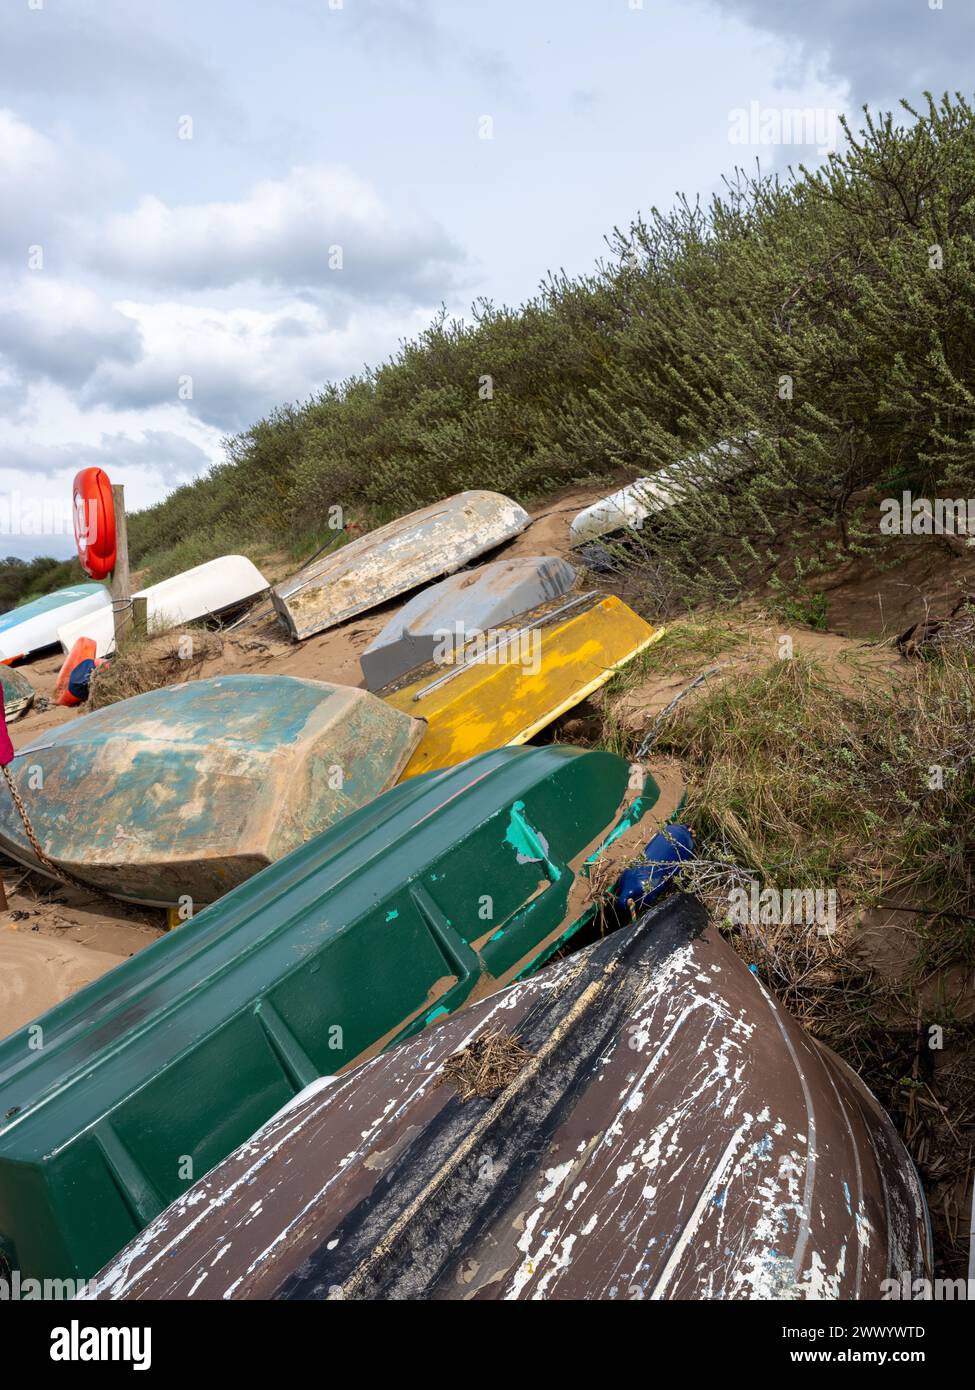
[[145, 664], [797, 780], [806, 783], [489, 1064]]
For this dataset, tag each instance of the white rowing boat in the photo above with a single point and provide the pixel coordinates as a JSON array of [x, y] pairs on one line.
[[629, 508], [34, 626], [202, 592], [385, 563]]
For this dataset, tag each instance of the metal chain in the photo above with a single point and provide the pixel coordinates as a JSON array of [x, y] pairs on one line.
[[36, 844]]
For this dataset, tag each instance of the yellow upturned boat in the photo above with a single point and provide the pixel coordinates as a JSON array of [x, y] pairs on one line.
[[503, 689]]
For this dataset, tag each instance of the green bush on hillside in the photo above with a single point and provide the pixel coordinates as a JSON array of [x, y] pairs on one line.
[[23, 580], [823, 322]]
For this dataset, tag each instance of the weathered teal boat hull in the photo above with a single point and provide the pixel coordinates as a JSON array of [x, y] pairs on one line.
[[179, 795], [441, 891]]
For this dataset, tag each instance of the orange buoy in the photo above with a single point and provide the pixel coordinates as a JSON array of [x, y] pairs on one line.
[[94, 522], [84, 650]]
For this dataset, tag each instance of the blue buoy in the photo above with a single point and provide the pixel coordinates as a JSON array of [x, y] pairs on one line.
[[80, 679], [640, 885]]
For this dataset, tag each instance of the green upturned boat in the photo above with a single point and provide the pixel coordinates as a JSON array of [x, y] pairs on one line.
[[439, 892]]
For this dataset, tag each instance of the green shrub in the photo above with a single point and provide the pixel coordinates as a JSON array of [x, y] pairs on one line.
[[823, 323]]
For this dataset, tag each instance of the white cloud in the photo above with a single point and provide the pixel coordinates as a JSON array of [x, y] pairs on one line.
[[225, 366], [241, 362], [150, 451], [886, 49], [99, 48], [24, 152], [60, 329], [45, 186], [217, 311], [282, 232], [32, 180], [257, 317], [52, 418], [169, 456]]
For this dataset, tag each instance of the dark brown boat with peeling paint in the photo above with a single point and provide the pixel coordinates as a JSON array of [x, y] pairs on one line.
[[671, 1134]]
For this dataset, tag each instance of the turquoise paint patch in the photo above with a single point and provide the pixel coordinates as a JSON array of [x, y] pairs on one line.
[[527, 843], [637, 811], [635, 814], [391, 915], [640, 806], [437, 1013], [262, 712], [517, 835]]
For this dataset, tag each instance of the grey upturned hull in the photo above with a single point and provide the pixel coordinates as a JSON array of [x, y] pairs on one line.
[[461, 607]]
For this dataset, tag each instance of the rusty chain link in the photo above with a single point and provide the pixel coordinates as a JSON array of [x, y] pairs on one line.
[[36, 844]]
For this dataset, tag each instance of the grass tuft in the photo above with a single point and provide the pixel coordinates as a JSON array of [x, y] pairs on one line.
[[803, 775]]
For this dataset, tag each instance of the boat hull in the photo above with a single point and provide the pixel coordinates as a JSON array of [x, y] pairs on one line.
[[34, 626], [179, 795], [202, 592], [458, 608], [390, 561], [507, 698], [18, 693], [413, 907], [630, 508], [668, 1133]]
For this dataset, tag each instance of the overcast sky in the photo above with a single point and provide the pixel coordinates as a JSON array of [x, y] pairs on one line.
[[179, 180]]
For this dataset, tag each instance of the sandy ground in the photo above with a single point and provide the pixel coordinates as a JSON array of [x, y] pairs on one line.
[[56, 938], [39, 972], [846, 661]]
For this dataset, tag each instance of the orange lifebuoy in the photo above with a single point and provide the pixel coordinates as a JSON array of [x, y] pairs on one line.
[[94, 522], [84, 649]]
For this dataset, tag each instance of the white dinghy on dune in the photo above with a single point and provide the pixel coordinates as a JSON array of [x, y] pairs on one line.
[[629, 508], [206, 591]]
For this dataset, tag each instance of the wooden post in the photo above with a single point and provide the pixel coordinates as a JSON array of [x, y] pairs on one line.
[[4, 905], [140, 616], [121, 584]]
